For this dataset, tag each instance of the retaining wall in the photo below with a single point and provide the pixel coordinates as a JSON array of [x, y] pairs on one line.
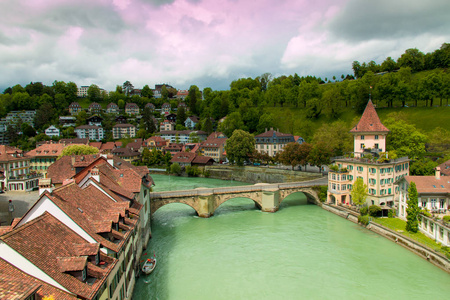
[[432, 256]]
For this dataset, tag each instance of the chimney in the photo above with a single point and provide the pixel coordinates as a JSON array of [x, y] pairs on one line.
[[438, 173], [73, 160]]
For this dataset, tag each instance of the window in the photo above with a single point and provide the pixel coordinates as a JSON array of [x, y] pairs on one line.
[[362, 146], [83, 275], [376, 146], [360, 169], [441, 203], [433, 203], [376, 137], [362, 137]]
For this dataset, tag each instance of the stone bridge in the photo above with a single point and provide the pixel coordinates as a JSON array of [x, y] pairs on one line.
[[205, 201]]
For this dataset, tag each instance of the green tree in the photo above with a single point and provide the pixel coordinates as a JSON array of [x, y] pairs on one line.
[[320, 154], [232, 122], [389, 65], [303, 152], [337, 137], [43, 115], [181, 115], [207, 126], [175, 168], [265, 122], [148, 120], [240, 146], [412, 58], [78, 150], [93, 93], [332, 102], [147, 92], [127, 88], [192, 98], [359, 192], [290, 155], [412, 223], [405, 139]]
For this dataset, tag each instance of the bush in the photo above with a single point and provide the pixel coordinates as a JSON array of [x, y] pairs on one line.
[[192, 171], [392, 213], [321, 192], [363, 210], [175, 169], [374, 210], [446, 219], [206, 173], [363, 220]]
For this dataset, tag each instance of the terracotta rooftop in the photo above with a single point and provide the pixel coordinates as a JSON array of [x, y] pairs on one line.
[[123, 125], [430, 185], [271, 133], [445, 168], [16, 284], [369, 122], [183, 157], [216, 135], [214, 142], [31, 240], [8, 153], [46, 150], [70, 264], [202, 160], [65, 167]]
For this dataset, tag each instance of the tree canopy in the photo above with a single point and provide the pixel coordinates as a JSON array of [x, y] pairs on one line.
[[240, 146], [78, 150]]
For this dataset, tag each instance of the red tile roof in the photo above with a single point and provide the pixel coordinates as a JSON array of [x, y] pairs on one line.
[[16, 284], [271, 133], [65, 167], [46, 150], [369, 122], [216, 135], [445, 168], [32, 239], [214, 142], [203, 160], [430, 185], [183, 157], [8, 153]]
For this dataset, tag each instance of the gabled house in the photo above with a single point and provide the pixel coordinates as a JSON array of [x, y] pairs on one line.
[[112, 108], [445, 168], [166, 108], [67, 121], [121, 120], [155, 142], [95, 120], [95, 108], [182, 94], [171, 118], [166, 125], [52, 131], [191, 122], [74, 108], [131, 109], [191, 159]]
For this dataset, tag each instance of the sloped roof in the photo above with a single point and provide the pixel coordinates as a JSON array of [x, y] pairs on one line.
[[46, 150], [271, 133], [202, 160], [445, 168], [16, 284], [430, 185], [64, 168], [214, 142], [31, 240], [183, 157], [7, 153], [369, 122]]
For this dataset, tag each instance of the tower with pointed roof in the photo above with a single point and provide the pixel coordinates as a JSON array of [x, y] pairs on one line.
[[378, 172], [369, 133]]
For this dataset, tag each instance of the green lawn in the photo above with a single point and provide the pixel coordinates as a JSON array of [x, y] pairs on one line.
[[399, 225], [288, 119]]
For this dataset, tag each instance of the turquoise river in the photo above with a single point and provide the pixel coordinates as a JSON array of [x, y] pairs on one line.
[[299, 252]]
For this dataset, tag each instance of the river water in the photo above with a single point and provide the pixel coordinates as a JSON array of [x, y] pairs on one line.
[[299, 252]]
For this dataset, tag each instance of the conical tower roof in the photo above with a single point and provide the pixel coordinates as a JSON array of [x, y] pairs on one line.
[[369, 122]]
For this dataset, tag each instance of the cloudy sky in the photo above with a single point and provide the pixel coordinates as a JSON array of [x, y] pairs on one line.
[[208, 43]]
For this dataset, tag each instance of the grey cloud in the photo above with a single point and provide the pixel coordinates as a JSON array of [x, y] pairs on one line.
[[366, 20], [85, 16]]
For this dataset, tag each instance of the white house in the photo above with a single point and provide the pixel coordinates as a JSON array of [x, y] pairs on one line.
[[52, 131]]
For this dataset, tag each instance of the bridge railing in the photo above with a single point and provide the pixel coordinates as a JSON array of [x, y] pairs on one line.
[[231, 189]]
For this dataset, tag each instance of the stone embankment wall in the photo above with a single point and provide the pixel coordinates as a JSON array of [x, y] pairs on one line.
[[258, 174], [433, 257]]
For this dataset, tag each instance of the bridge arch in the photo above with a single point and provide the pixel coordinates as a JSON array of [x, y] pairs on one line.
[[158, 204], [311, 195], [222, 198], [219, 204]]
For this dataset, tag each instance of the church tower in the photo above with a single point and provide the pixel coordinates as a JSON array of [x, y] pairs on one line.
[[369, 133]]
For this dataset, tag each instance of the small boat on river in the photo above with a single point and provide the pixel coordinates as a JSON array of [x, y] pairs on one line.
[[149, 266]]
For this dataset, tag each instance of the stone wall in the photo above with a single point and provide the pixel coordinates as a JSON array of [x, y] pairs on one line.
[[258, 174]]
